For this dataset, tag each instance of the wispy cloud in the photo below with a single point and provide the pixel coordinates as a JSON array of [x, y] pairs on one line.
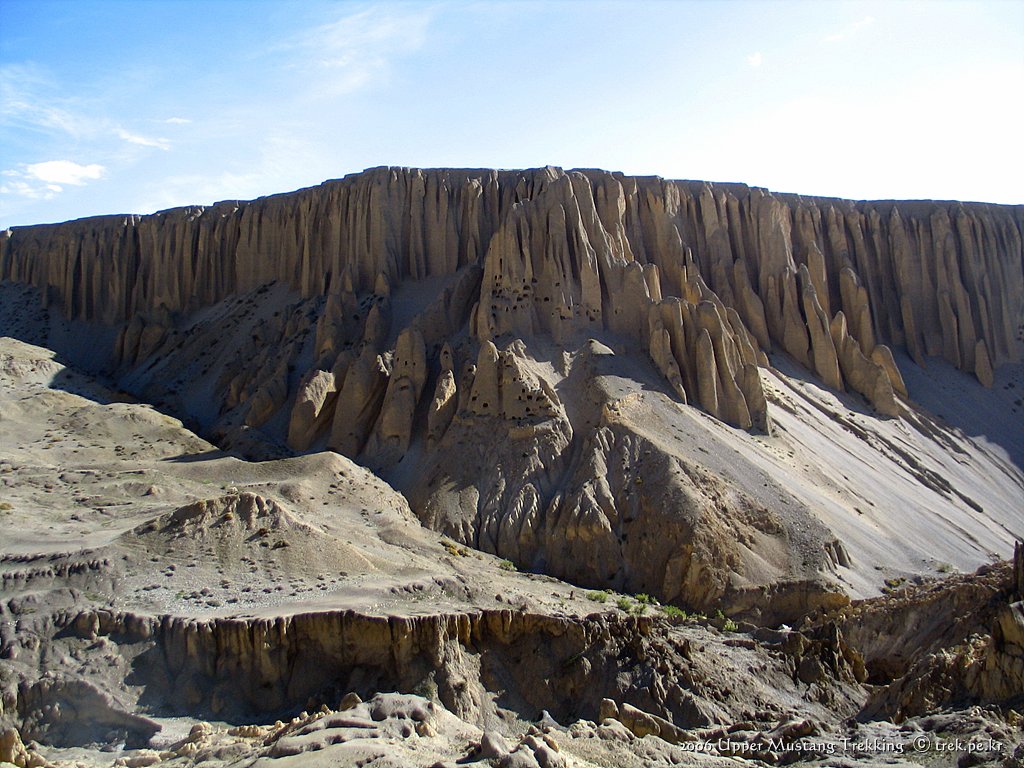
[[21, 188], [755, 59], [43, 181], [314, 71], [283, 159], [355, 51], [849, 30], [198, 189], [143, 141], [366, 37], [28, 100]]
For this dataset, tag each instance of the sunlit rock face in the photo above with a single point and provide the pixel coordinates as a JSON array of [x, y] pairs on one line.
[[497, 345], [565, 251]]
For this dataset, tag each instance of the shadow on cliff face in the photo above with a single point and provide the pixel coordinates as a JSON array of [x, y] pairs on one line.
[[237, 670], [82, 351], [69, 713], [995, 415], [191, 458], [943, 406], [23, 316]]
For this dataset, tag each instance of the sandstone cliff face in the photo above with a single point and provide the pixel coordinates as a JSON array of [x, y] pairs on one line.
[[473, 662], [567, 251], [437, 326]]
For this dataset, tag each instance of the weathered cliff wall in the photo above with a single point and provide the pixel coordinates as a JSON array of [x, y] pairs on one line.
[[964, 646], [403, 312], [239, 669], [563, 251]]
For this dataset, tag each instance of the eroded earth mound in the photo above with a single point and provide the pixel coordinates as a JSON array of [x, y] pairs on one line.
[[523, 467]]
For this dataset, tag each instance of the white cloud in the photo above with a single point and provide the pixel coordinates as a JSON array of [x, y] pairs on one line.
[[64, 172], [755, 59], [368, 34], [30, 99], [29, 191], [43, 181], [850, 30], [177, 121], [143, 141]]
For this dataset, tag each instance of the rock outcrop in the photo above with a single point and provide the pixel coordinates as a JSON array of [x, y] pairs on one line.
[[560, 253], [437, 326], [393, 430], [359, 403], [314, 400], [954, 642], [244, 668]]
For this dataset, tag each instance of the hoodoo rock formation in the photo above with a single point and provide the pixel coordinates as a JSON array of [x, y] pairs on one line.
[[456, 331], [562, 252]]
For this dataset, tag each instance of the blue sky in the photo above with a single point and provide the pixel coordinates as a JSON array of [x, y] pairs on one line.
[[116, 107]]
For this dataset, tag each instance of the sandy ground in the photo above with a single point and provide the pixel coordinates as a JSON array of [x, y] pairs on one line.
[[84, 473]]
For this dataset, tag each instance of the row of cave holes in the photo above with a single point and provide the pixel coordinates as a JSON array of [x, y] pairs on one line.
[[591, 316], [529, 398], [527, 288]]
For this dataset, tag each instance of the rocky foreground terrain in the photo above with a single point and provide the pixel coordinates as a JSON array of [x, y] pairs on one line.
[[514, 468]]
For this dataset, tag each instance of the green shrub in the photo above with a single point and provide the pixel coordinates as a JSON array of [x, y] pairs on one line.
[[624, 604], [598, 596], [507, 565], [674, 612], [892, 585], [454, 549]]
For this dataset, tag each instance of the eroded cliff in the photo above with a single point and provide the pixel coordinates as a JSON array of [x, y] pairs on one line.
[[562, 251], [483, 339]]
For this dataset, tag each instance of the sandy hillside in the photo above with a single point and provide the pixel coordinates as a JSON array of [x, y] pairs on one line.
[[123, 552]]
